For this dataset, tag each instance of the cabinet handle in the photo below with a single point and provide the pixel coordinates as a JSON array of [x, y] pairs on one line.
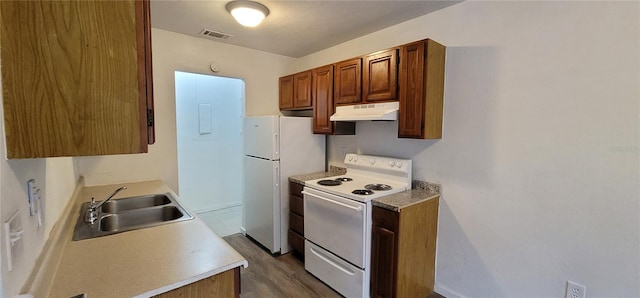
[[149, 117]]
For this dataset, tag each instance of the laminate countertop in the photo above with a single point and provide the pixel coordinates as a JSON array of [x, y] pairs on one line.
[[396, 202], [143, 262]]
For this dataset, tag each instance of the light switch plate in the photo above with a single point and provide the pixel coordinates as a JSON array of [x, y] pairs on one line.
[[31, 192], [13, 237]]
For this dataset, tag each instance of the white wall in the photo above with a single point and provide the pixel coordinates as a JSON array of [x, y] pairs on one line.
[[172, 51], [209, 162], [56, 178], [539, 161]]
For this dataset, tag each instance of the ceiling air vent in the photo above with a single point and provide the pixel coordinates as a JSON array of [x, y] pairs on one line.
[[215, 34]]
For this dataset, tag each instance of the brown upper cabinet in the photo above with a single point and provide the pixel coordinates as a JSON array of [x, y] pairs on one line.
[[422, 90], [286, 92], [302, 90], [322, 93], [323, 105], [412, 74], [82, 85], [380, 76], [348, 82], [295, 91]]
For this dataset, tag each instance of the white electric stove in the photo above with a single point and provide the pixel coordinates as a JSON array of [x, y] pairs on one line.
[[337, 219]]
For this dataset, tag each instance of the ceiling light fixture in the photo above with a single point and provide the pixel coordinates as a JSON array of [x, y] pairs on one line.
[[247, 13]]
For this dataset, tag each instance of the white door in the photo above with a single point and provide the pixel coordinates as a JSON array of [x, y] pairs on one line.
[[336, 224], [261, 137], [262, 201]]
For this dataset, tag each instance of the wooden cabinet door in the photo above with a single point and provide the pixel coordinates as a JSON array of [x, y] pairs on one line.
[[302, 90], [411, 113], [380, 76], [422, 83], [82, 84], [384, 244], [322, 99], [348, 82], [286, 92], [225, 284]]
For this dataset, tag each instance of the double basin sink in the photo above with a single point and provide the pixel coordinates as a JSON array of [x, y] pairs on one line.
[[126, 214]]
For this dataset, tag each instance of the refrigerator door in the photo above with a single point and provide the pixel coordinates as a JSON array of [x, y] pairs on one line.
[[262, 137], [262, 201], [301, 152]]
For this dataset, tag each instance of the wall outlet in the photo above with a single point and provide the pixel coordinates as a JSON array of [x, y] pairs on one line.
[[575, 290]]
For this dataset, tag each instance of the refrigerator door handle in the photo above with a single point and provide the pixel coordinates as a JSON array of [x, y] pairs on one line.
[[277, 176], [276, 136]]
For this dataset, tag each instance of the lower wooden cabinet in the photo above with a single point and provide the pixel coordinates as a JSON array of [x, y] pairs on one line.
[[403, 250], [225, 284], [296, 217]]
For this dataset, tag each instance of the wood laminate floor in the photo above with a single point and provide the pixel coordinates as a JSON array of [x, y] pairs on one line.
[[268, 276], [283, 276]]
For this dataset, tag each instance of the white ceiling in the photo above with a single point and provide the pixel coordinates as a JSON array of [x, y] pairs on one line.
[[293, 28]]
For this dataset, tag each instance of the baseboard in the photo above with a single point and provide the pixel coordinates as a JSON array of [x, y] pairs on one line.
[[217, 207], [243, 231], [447, 292]]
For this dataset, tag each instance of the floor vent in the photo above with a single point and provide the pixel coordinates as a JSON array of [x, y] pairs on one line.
[[215, 34]]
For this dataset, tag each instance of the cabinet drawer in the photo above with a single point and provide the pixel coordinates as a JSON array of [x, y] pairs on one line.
[[296, 241], [296, 223], [296, 205], [385, 218], [295, 189]]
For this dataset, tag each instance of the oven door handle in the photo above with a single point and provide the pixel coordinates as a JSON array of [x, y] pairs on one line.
[[332, 201], [334, 264]]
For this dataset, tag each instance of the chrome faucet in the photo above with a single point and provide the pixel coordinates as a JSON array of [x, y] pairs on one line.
[[92, 211]]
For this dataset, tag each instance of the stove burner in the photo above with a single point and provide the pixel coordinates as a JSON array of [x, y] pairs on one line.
[[329, 182], [377, 187], [365, 192], [344, 179]]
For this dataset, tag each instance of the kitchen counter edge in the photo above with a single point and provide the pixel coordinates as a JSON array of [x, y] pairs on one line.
[[104, 267], [397, 202]]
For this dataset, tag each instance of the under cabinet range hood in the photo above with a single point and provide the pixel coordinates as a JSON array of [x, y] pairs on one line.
[[380, 111]]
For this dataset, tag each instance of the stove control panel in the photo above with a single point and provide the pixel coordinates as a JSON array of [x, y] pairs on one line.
[[378, 162]]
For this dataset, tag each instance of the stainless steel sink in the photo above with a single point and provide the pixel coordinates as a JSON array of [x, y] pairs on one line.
[[140, 218], [127, 214], [119, 205]]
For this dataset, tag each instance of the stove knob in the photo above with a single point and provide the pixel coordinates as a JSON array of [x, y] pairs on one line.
[[399, 164], [372, 161], [392, 163]]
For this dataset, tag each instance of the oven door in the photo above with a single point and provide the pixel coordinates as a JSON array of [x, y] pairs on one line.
[[336, 224]]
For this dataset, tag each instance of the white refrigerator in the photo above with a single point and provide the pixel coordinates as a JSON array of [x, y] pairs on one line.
[[276, 147]]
